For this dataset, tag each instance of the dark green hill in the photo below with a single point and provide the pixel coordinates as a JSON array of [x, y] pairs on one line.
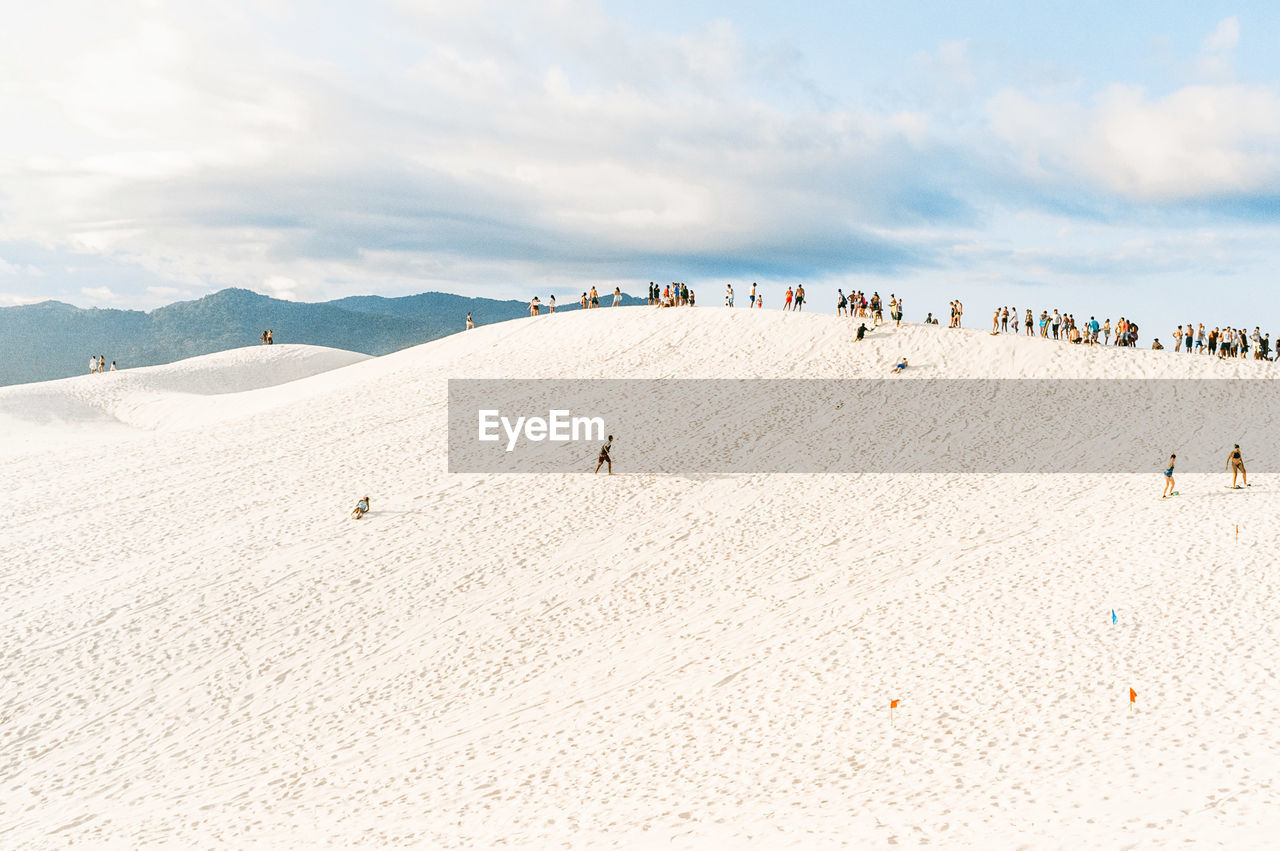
[[54, 340]]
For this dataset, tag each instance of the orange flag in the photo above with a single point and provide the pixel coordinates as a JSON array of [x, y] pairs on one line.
[[893, 704], [1133, 696]]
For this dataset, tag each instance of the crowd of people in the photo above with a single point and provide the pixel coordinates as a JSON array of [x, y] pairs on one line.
[[588, 301], [99, 364], [1222, 342], [672, 295], [856, 305], [1062, 326]]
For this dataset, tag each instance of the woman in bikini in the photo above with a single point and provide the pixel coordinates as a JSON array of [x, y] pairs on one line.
[[1236, 465]]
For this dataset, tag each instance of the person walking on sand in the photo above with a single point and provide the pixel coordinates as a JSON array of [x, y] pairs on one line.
[[102, 363], [604, 456], [534, 306], [1235, 464], [93, 364], [551, 303], [995, 322], [787, 304], [1168, 478], [799, 296], [271, 337], [470, 324], [264, 338], [728, 295], [753, 296], [617, 296]]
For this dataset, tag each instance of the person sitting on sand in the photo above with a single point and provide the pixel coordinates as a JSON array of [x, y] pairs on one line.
[[862, 330], [900, 365], [1236, 465], [1156, 344], [361, 509]]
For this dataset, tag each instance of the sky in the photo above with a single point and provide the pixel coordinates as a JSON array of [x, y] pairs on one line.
[[1117, 159]]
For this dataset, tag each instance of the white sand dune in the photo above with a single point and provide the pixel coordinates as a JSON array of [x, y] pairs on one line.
[[91, 408], [200, 648]]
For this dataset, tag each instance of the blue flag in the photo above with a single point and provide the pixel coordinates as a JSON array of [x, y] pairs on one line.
[[1113, 615]]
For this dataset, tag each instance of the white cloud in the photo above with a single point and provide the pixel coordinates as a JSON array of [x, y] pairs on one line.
[[15, 299], [1216, 60], [280, 286], [98, 293], [1198, 141], [1224, 37], [406, 145]]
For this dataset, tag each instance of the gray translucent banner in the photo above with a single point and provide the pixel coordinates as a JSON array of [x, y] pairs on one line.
[[701, 427]]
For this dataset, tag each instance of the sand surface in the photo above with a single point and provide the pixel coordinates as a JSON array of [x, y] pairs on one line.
[[199, 648]]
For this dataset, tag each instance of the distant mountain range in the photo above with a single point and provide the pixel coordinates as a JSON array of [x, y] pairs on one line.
[[54, 340]]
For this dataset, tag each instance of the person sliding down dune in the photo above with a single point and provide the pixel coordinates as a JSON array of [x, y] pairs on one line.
[[361, 509], [900, 365], [862, 331]]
